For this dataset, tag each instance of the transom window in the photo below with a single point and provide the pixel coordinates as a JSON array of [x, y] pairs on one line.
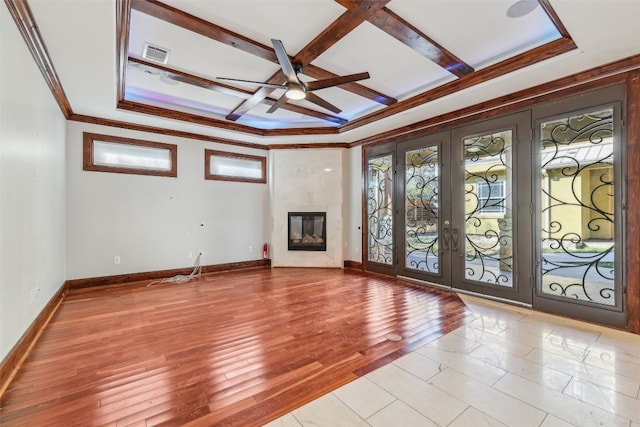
[[105, 153], [225, 166]]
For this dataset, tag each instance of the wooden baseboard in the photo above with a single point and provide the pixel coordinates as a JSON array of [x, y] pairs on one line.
[[353, 264], [161, 274], [20, 351]]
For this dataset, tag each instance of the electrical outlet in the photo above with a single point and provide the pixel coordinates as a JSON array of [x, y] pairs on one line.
[[33, 295], [116, 259], [190, 255]]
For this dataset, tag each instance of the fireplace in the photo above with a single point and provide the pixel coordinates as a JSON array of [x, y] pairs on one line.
[[307, 231]]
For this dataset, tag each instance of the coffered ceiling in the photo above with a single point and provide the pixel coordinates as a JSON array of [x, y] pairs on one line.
[[423, 58]]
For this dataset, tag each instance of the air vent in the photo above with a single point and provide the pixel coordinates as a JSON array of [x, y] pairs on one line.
[[155, 53]]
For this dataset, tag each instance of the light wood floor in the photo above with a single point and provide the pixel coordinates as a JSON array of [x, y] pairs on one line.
[[235, 349]]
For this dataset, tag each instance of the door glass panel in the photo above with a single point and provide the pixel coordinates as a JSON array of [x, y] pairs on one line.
[[577, 206], [380, 209], [422, 183], [488, 233]]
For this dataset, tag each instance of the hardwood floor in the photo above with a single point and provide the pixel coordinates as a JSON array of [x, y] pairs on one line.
[[239, 348]]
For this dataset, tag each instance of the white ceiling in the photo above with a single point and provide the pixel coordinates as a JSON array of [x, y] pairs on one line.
[[80, 37]]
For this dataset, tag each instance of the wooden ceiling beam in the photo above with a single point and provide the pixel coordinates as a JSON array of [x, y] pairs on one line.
[[392, 24], [342, 26], [205, 28], [355, 15], [192, 23], [182, 77]]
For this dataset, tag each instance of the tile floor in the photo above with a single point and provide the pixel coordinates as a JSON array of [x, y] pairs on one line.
[[509, 367]]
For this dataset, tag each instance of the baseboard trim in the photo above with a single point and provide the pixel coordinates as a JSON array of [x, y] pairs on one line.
[[20, 351], [353, 264], [161, 274]]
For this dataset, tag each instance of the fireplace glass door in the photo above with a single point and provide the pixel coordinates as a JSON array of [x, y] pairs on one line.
[[307, 231]]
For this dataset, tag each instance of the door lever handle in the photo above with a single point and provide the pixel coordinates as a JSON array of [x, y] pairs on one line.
[[446, 238], [454, 239]]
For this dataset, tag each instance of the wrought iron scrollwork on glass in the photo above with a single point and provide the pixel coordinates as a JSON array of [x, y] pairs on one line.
[[577, 196], [380, 209], [488, 213], [422, 184]]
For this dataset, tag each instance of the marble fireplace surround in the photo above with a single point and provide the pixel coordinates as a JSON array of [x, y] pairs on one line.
[[309, 180]]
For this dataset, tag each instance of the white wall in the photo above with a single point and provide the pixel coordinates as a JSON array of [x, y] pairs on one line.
[[353, 204], [152, 222], [32, 192], [307, 180]]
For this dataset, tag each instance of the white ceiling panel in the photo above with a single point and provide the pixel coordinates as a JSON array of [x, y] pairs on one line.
[[295, 22], [477, 31], [367, 48]]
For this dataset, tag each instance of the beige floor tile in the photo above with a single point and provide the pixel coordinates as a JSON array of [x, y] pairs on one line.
[[430, 401], [472, 367], [474, 418], [287, 420], [487, 306], [625, 339], [399, 414], [609, 400], [535, 326], [488, 324], [492, 402], [551, 421], [560, 405], [575, 340], [453, 342], [607, 351], [419, 365], [513, 347], [610, 362], [598, 376], [532, 336], [546, 371], [584, 326], [364, 397], [525, 368], [328, 411]]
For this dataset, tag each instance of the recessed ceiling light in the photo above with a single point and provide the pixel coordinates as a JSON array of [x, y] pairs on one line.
[[522, 8]]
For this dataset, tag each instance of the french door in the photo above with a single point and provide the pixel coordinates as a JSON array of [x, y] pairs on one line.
[[525, 207], [579, 200], [443, 209]]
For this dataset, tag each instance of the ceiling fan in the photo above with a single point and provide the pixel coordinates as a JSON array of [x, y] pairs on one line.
[[296, 89]]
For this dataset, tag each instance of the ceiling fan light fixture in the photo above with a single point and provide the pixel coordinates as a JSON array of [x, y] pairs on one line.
[[295, 93]]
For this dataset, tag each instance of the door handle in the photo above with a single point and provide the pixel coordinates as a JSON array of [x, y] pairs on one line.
[[446, 238], [454, 239]]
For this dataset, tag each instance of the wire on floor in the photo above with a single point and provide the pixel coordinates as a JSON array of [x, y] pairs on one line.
[[181, 278]]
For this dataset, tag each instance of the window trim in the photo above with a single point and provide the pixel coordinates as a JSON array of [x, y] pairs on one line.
[[209, 176], [89, 165], [501, 184]]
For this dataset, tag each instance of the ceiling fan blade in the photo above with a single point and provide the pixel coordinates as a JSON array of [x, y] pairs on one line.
[[251, 82], [312, 97], [283, 58], [335, 81], [279, 103]]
